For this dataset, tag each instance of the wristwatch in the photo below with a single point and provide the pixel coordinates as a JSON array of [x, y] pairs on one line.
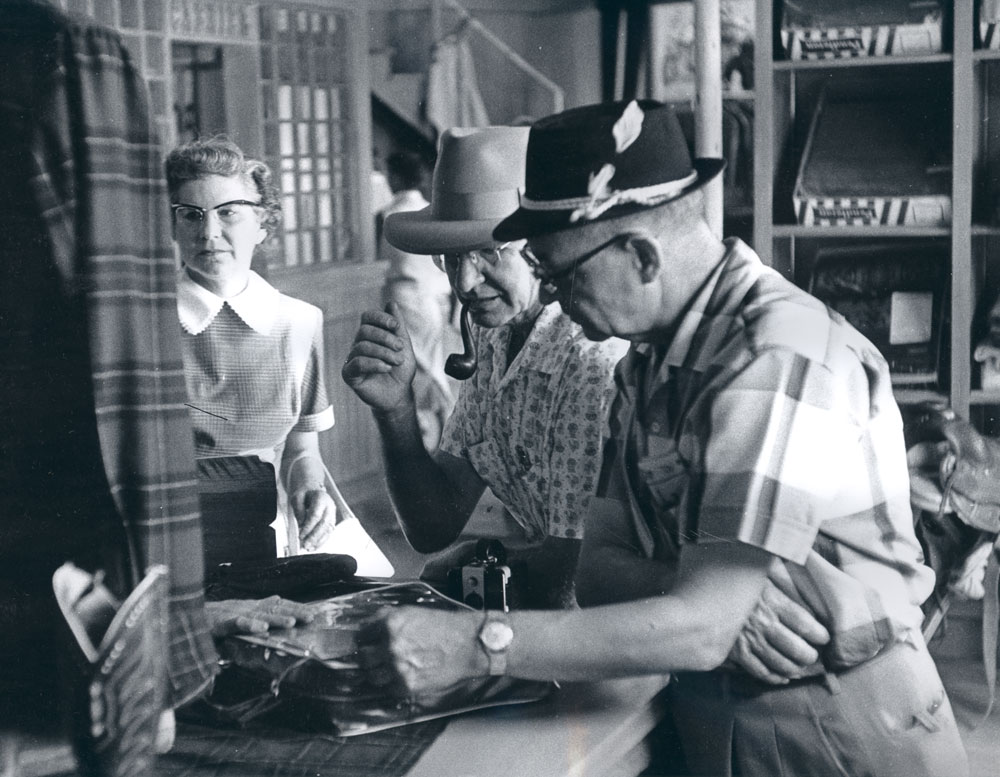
[[495, 635]]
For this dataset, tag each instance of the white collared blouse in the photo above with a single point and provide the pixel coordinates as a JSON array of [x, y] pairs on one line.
[[253, 364]]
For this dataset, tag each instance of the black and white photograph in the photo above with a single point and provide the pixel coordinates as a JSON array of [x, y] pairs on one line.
[[499, 388]]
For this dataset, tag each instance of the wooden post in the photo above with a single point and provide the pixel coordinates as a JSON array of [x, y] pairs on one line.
[[708, 100], [963, 151]]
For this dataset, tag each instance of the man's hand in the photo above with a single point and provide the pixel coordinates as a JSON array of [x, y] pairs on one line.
[[253, 616], [420, 652], [380, 365], [316, 515], [438, 566], [780, 639]]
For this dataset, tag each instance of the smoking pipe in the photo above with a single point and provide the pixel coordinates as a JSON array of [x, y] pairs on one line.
[[462, 366]]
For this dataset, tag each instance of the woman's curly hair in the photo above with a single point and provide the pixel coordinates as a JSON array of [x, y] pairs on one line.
[[220, 156]]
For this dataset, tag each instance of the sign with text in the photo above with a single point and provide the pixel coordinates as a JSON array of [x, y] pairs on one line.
[[214, 20]]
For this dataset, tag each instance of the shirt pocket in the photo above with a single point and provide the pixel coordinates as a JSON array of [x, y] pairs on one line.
[[665, 477]]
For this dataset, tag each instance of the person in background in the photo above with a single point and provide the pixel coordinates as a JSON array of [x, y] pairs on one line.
[[753, 437], [381, 193], [424, 300], [253, 357], [97, 466]]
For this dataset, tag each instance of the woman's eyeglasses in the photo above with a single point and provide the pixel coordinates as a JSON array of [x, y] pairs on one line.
[[452, 261], [232, 212]]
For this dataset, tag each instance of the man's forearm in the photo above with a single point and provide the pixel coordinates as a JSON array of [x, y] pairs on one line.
[[646, 636], [424, 498]]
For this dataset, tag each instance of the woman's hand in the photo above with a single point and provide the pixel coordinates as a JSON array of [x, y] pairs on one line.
[[316, 514], [253, 616]]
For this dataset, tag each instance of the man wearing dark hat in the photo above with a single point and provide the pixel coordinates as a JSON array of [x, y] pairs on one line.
[[753, 435]]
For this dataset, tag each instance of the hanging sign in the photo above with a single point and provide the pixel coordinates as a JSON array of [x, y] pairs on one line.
[[214, 20]]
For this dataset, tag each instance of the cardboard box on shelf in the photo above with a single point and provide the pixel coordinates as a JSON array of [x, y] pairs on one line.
[[832, 29], [878, 159], [989, 24]]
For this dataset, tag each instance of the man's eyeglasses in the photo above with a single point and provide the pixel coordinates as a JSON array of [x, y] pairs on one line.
[[551, 280], [232, 212], [451, 262]]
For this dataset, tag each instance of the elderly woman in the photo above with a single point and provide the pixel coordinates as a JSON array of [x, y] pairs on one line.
[[253, 357]]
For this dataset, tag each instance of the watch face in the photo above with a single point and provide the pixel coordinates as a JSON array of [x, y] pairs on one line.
[[496, 636]]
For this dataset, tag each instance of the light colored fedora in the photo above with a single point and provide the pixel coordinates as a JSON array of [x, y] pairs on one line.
[[478, 175]]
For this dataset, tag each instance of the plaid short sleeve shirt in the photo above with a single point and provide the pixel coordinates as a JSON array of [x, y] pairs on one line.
[[533, 431], [769, 420], [85, 251]]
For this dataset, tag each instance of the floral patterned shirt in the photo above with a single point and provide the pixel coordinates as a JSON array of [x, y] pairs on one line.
[[533, 432]]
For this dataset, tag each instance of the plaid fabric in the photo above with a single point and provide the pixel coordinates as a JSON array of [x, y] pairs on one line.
[[276, 750], [533, 431], [254, 369], [87, 260], [769, 420]]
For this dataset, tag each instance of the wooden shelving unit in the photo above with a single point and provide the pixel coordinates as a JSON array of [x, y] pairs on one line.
[[973, 78]]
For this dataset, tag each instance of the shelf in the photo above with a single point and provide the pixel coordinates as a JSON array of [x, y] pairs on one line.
[[746, 96], [980, 397], [803, 231], [916, 396], [855, 62], [968, 87]]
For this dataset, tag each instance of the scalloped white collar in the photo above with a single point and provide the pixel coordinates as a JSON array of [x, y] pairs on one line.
[[197, 307]]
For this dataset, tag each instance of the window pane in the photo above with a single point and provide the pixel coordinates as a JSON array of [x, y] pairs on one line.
[[325, 211], [304, 146], [308, 253], [284, 102], [288, 183], [307, 211], [291, 249], [325, 246], [288, 208], [287, 141], [321, 100], [305, 104]]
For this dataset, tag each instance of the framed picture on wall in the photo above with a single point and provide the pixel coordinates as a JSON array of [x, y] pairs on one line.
[[672, 48]]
